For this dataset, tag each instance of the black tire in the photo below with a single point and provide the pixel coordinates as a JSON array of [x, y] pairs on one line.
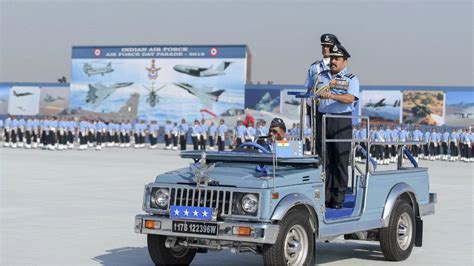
[[275, 254], [161, 255], [402, 216]]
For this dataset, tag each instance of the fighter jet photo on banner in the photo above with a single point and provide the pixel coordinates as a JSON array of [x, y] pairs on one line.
[[24, 101], [170, 82], [383, 107]]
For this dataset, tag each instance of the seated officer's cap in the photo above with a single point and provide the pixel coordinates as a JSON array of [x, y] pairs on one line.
[[278, 122], [329, 39], [339, 50]]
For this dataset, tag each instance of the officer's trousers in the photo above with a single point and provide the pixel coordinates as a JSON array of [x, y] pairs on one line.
[[220, 143], [28, 137], [7, 135], [307, 144], [415, 150], [99, 138], [153, 140], [203, 142], [44, 137], [453, 149], [211, 141], [432, 149], [175, 141], [445, 148], [20, 135], [195, 142], [387, 152], [182, 142], [167, 140], [337, 156], [239, 141], [13, 136]]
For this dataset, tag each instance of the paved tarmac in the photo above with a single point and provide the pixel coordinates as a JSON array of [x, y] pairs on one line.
[[78, 207]]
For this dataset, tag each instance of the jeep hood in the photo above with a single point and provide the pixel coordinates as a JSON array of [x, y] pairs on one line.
[[238, 175]]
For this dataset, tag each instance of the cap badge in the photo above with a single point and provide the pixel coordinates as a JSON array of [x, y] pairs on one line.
[[335, 48], [327, 38]]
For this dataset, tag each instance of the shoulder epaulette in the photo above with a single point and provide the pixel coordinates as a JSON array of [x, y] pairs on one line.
[[349, 75], [316, 62]]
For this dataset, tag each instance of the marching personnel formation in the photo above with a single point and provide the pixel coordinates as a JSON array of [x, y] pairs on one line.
[[450, 145]]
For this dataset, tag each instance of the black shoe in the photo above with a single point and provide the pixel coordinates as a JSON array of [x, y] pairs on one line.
[[335, 206]]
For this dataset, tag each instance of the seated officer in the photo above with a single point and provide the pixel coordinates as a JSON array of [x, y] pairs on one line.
[[277, 132]]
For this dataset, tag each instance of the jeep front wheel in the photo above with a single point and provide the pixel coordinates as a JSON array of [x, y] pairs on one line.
[[294, 244], [161, 255], [396, 240]]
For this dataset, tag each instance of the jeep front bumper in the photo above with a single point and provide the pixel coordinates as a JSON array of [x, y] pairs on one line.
[[262, 233]]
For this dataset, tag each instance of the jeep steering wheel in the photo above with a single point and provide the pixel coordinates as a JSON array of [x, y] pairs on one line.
[[254, 145]]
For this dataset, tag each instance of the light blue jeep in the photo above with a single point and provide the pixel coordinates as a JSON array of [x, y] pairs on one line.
[[274, 206]]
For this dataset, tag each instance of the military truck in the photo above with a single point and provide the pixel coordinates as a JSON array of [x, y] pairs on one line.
[[252, 200]]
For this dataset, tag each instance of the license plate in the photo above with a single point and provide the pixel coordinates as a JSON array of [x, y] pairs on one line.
[[197, 228]]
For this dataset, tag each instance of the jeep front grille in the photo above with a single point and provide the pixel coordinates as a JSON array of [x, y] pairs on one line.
[[220, 200]]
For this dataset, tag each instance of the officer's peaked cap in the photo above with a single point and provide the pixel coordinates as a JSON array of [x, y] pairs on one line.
[[329, 39], [339, 51]]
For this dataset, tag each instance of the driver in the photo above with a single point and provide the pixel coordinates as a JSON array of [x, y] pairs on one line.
[[277, 129]]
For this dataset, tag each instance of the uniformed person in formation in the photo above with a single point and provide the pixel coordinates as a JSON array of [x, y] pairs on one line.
[[339, 100], [212, 135], [204, 134], [327, 41]]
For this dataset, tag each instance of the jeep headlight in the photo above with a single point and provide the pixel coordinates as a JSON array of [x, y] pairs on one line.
[[250, 203], [160, 198]]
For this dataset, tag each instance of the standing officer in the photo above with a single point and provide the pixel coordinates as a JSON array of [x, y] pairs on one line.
[[340, 100], [196, 134], [168, 128], [204, 132], [175, 133], [327, 41], [240, 133], [212, 135], [183, 134], [444, 144], [222, 129], [454, 145], [153, 134], [417, 136]]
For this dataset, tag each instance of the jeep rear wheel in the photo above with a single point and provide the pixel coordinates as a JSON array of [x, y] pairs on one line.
[[396, 240], [161, 255], [294, 244]]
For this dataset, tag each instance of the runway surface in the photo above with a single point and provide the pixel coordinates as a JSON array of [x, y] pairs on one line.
[[77, 208]]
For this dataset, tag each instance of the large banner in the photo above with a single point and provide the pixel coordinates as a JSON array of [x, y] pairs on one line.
[[423, 107], [157, 82], [383, 107], [459, 108]]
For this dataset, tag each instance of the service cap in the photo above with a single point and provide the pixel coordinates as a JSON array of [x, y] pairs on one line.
[[329, 39], [339, 51]]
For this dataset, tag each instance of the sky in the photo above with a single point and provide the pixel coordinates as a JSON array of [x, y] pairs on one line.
[[406, 42]]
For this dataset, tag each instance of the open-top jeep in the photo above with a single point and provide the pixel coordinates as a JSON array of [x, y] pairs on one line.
[[275, 206]]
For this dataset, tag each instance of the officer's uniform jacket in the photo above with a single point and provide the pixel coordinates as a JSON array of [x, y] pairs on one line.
[[341, 83]]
